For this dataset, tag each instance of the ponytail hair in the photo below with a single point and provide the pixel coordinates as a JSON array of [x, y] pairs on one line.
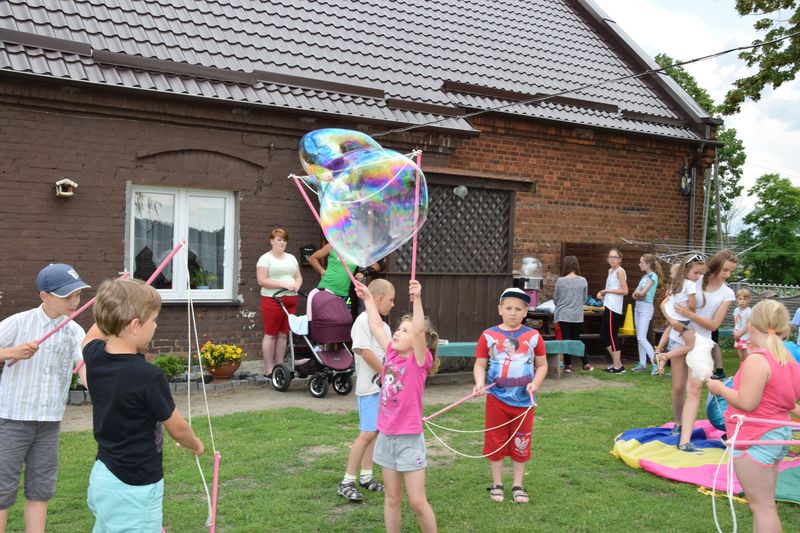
[[686, 264], [654, 265], [431, 341], [772, 318]]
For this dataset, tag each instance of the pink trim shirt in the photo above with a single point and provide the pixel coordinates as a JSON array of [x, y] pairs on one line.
[[400, 410]]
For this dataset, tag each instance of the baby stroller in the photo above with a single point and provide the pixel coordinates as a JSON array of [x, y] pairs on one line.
[[316, 346]]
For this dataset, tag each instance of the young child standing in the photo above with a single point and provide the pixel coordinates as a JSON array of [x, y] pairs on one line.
[[612, 296], [369, 357], [130, 404], [682, 293], [741, 315], [400, 445], [766, 386], [644, 295], [33, 392], [517, 377]]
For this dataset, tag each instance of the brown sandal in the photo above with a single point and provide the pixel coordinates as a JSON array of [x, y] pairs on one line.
[[496, 493], [519, 494], [661, 362]]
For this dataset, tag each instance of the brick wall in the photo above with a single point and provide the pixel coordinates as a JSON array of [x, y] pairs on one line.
[[590, 186]]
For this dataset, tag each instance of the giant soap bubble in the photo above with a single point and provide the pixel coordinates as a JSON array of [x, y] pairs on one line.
[[321, 150], [367, 208]]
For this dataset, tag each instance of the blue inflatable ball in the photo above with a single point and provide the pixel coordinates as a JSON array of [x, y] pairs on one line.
[[716, 405]]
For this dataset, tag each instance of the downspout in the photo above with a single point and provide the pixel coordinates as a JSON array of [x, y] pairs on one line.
[[693, 194]]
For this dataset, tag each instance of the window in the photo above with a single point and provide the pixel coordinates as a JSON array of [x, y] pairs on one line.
[[159, 217]]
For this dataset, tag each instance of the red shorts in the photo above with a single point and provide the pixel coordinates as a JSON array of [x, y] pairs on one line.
[[519, 447], [275, 320]]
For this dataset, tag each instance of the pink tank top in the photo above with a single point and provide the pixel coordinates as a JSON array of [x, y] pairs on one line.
[[780, 394], [403, 381]]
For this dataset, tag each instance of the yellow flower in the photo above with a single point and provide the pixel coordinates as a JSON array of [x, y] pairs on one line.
[[214, 355]]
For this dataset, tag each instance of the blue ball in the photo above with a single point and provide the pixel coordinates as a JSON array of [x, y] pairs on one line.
[[716, 405]]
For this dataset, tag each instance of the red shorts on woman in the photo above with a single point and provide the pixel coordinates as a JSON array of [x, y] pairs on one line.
[[518, 447], [275, 320]]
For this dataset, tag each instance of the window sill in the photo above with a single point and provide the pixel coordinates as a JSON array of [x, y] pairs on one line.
[[205, 303]]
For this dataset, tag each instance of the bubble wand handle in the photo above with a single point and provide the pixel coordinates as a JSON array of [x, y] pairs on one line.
[[214, 492], [416, 220], [459, 402], [316, 216], [150, 280]]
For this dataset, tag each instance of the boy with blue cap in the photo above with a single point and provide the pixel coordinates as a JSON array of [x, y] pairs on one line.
[[33, 393]]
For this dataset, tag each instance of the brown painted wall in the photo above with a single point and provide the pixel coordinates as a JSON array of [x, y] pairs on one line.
[[103, 139]]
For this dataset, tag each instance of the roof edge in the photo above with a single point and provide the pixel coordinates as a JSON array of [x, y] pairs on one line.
[[664, 80]]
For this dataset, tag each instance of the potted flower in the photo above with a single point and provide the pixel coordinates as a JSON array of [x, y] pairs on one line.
[[202, 279], [221, 360]]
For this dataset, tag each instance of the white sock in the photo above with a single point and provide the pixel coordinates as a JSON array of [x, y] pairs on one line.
[[349, 479], [366, 476]]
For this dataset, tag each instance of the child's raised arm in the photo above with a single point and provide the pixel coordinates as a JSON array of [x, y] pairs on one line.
[[373, 317], [418, 322]]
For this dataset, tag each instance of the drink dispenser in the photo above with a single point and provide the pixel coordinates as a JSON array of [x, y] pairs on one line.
[[531, 275]]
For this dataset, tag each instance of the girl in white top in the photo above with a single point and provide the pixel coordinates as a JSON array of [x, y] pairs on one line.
[[741, 333], [277, 272], [682, 294], [713, 299], [612, 295]]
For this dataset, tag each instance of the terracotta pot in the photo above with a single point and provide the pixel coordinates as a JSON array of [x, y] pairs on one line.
[[224, 371]]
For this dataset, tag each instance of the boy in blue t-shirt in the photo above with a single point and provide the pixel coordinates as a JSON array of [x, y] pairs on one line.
[[517, 364], [130, 403]]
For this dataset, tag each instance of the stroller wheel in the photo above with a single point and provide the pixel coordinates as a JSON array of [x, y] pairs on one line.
[[318, 386], [342, 384], [281, 377]]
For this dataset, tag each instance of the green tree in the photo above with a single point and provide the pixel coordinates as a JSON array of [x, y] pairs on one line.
[[778, 62], [731, 156], [775, 224]]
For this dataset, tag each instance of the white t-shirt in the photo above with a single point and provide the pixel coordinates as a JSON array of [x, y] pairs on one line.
[[740, 319], [363, 339], [680, 299], [282, 269], [708, 303]]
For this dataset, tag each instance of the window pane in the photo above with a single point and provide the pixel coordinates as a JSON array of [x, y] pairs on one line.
[[153, 228], [206, 242]]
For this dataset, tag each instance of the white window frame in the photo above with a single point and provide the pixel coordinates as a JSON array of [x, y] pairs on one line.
[[179, 291]]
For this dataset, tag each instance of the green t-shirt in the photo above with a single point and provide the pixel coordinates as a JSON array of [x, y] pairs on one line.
[[335, 278]]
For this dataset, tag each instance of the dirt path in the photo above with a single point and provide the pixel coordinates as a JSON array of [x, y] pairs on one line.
[[441, 389]]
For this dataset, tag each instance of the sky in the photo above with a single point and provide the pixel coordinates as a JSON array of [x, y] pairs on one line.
[[685, 29]]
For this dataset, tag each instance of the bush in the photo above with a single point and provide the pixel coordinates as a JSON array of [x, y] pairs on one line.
[[170, 365]]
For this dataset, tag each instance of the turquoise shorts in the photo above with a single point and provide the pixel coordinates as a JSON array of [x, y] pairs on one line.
[[368, 412], [118, 506], [769, 454]]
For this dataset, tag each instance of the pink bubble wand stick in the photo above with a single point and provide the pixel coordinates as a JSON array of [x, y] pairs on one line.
[[459, 402], [150, 280], [416, 220]]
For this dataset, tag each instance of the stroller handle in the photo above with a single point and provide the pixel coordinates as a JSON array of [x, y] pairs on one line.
[[277, 294]]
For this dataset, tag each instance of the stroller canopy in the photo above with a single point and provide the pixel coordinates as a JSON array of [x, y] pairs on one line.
[[330, 318]]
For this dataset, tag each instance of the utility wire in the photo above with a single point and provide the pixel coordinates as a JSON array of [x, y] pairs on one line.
[[538, 99]]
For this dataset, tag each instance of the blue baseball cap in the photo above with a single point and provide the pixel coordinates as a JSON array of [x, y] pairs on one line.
[[59, 279]]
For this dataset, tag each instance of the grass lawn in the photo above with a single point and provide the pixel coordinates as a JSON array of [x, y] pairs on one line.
[[280, 469]]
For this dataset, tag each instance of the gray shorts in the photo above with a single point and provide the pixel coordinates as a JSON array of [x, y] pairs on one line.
[[404, 453], [34, 444]]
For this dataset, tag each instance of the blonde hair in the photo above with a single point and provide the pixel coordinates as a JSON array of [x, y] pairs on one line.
[[431, 340], [655, 266], [380, 287], [743, 293], [120, 301], [772, 318]]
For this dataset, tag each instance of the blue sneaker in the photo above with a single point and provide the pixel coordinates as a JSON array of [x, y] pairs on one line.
[[639, 368], [690, 448]]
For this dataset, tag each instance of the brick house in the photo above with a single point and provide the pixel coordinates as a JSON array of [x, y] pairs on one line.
[[183, 121]]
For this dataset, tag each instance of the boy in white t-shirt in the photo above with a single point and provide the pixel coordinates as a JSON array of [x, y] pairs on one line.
[[369, 357]]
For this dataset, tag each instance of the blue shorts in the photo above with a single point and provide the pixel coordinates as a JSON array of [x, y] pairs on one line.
[[368, 411], [769, 454], [118, 506], [404, 453]]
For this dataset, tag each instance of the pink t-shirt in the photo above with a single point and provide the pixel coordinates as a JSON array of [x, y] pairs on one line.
[[780, 394], [400, 410]]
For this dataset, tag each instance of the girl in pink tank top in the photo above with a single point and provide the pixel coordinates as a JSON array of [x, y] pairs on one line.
[[767, 386]]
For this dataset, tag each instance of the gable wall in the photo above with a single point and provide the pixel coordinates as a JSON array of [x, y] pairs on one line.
[[103, 140]]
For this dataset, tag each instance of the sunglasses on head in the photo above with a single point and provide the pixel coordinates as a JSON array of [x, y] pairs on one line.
[[697, 258]]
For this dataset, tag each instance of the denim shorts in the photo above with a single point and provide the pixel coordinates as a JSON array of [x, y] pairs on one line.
[[768, 454], [368, 411], [118, 506], [404, 453], [34, 444]]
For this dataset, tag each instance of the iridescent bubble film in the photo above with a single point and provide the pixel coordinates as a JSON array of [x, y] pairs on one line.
[[367, 208], [321, 150]]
